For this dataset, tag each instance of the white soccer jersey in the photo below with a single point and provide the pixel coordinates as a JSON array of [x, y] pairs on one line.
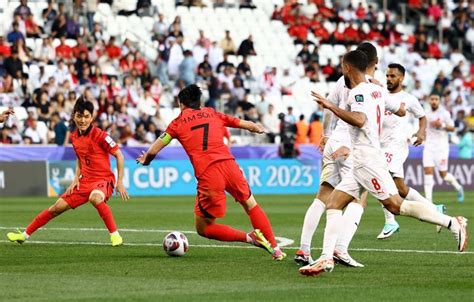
[[338, 96], [438, 139], [372, 100], [395, 130]]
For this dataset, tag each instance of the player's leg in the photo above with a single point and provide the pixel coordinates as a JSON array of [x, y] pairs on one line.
[[59, 207], [206, 227], [98, 198], [428, 165], [449, 178]]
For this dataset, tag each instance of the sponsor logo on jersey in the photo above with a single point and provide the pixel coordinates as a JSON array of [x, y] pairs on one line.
[[359, 98]]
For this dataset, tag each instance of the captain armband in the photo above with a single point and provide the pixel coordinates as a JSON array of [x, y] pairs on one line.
[[165, 138]]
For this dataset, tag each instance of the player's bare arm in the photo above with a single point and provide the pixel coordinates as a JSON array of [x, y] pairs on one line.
[[420, 134], [75, 182], [120, 167], [327, 123], [5, 114], [356, 119], [252, 127], [146, 157]]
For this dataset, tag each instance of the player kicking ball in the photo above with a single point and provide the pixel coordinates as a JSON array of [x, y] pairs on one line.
[[94, 181], [395, 147], [200, 131], [367, 103]]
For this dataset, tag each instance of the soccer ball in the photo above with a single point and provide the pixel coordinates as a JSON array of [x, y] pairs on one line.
[[175, 244]]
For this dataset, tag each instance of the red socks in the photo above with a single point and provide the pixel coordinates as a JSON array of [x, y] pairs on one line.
[[224, 233], [260, 221], [39, 221], [106, 215]]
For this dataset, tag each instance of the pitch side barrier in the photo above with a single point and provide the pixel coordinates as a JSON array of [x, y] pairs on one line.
[[48, 171]]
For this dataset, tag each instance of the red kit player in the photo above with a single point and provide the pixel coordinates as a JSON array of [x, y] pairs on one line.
[[94, 181], [200, 132]]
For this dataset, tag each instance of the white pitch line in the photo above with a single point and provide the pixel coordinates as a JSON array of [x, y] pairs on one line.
[[103, 230], [242, 247]]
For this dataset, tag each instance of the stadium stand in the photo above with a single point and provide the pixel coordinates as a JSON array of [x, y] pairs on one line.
[[132, 57]]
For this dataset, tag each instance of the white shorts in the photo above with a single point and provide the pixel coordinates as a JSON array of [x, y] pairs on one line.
[[373, 178], [332, 170], [396, 157], [436, 158]]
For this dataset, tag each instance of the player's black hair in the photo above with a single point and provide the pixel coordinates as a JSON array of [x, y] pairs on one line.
[[357, 59], [190, 96], [82, 105], [370, 51], [397, 66]]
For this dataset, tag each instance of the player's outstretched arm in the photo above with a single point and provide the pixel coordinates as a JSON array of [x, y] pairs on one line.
[[120, 167], [356, 119], [75, 182], [420, 134], [5, 114], [146, 157], [251, 126]]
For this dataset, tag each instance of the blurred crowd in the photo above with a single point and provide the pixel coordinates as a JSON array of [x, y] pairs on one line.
[[130, 90]]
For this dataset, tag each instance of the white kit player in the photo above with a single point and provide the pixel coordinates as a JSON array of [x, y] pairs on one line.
[[394, 142], [337, 162], [436, 151], [367, 103]]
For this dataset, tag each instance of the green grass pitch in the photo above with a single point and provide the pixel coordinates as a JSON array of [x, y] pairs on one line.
[[71, 259]]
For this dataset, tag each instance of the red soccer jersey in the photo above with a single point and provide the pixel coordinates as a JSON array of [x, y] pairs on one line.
[[202, 135], [92, 149]]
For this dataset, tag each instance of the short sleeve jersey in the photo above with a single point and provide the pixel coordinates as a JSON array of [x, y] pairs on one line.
[[394, 128], [201, 133], [338, 96], [371, 100], [92, 150], [437, 139]]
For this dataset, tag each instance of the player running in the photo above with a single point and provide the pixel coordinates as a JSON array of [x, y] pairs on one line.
[[436, 151], [337, 162], [367, 103], [395, 146], [94, 181], [200, 132]]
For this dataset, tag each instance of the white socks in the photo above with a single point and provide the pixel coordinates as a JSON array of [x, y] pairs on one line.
[[351, 219], [429, 183], [449, 178], [424, 213], [114, 233], [334, 225], [26, 235], [416, 196], [389, 217], [311, 221]]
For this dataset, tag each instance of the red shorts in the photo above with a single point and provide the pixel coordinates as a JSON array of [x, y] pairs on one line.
[[81, 196], [220, 177]]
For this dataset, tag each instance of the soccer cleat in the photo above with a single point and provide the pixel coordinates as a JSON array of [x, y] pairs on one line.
[[302, 258], [461, 233], [317, 267], [442, 209], [17, 237], [461, 195], [260, 241], [346, 259], [388, 230], [116, 239], [278, 255]]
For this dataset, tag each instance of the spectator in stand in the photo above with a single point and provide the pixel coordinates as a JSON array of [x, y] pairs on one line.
[[421, 46], [434, 11], [23, 10], [23, 52], [227, 76], [348, 14], [434, 50], [5, 50], [113, 51], [32, 28], [328, 69], [351, 35], [360, 13], [15, 34], [59, 28], [271, 123], [160, 29], [289, 117], [64, 51], [315, 130], [304, 54], [49, 14], [246, 47], [215, 55], [227, 44], [175, 57], [224, 64], [299, 31], [302, 130], [73, 27], [199, 51], [203, 40], [13, 64], [203, 67], [244, 69], [61, 131], [212, 84], [187, 68]]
